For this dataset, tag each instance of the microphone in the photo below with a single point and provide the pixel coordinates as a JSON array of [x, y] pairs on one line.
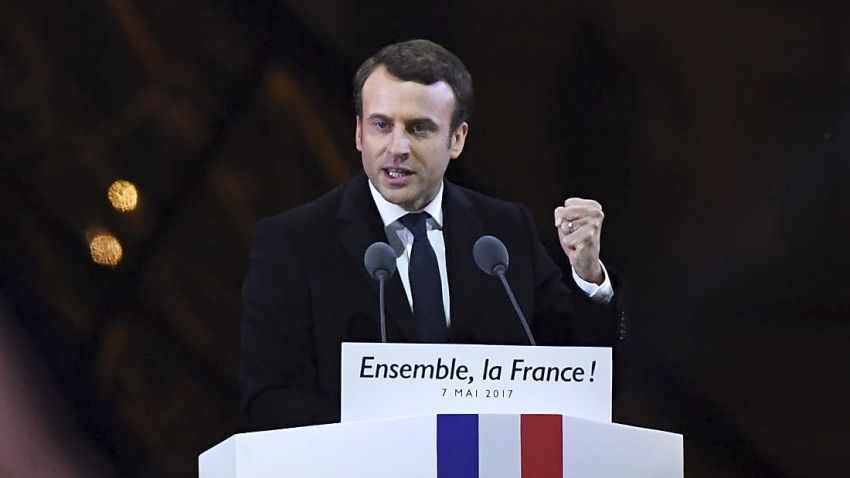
[[379, 260], [491, 256]]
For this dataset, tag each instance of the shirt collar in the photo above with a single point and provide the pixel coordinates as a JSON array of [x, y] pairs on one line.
[[391, 213]]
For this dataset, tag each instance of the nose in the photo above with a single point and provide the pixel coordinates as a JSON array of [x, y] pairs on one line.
[[399, 143]]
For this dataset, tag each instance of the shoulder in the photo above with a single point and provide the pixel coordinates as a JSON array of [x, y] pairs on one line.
[[485, 205], [300, 224], [485, 215], [319, 211]]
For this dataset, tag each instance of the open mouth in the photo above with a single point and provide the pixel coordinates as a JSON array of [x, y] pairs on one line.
[[396, 173]]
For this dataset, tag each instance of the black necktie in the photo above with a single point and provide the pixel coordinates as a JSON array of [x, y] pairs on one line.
[[425, 285]]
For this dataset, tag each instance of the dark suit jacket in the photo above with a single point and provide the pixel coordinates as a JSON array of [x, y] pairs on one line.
[[307, 291]]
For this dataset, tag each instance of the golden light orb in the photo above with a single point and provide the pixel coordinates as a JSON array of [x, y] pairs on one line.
[[105, 250], [123, 195]]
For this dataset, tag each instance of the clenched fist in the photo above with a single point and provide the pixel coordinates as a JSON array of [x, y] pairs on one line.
[[579, 225]]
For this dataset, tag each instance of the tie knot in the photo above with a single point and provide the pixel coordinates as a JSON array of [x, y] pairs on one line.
[[415, 223]]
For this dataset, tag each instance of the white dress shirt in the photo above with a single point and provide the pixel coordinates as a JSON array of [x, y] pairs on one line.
[[401, 240]]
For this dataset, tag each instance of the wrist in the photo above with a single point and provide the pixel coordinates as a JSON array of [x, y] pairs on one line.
[[592, 274]]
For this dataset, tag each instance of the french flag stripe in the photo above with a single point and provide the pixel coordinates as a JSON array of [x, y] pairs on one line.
[[542, 446], [457, 446], [499, 446]]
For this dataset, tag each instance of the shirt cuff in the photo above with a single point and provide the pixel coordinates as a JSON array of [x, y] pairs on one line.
[[601, 293]]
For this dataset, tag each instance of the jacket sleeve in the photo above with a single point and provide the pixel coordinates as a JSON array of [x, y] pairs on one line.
[[278, 376]]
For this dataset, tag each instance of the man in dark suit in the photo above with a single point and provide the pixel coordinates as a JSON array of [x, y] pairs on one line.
[[307, 290]]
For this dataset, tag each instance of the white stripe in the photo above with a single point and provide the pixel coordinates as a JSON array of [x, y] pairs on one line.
[[499, 446]]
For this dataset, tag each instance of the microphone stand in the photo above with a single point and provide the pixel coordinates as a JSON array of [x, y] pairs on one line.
[[382, 275], [500, 271]]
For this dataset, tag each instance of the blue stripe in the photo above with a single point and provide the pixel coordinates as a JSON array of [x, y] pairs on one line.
[[457, 446]]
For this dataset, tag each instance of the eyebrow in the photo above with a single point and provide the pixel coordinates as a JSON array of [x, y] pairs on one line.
[[425, 120], [428, 122]]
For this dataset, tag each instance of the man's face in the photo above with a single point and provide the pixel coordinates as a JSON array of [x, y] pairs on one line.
[[404, 137]]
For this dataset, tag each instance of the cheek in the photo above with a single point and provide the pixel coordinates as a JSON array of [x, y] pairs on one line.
[[366, 148], [372, 143], [438, 158]]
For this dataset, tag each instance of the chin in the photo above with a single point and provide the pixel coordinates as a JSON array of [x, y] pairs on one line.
[[392, 195], [404, 200], [398, 200]]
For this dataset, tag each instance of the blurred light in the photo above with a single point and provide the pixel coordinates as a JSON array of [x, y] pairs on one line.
[[123, 195], [105, 250]]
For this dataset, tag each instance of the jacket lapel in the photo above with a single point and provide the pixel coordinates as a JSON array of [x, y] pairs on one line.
[[359, 226], [461, 228]]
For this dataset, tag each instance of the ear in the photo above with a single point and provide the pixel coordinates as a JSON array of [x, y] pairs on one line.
[[458, 140], [358, 134]]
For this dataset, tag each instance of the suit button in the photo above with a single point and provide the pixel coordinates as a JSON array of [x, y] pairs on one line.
[[622, 334]]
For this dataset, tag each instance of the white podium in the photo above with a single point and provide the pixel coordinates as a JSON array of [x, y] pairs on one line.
[[451, 446]]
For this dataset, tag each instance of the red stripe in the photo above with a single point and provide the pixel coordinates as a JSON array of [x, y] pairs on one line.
[[542, 444]]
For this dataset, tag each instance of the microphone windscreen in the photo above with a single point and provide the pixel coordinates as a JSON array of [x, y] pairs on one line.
[[379, 257], [490, 255]]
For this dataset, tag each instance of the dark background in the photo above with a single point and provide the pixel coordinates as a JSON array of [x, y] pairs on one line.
[[715, 134]]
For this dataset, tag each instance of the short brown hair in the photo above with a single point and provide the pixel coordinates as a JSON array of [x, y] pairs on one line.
[[424, 62]]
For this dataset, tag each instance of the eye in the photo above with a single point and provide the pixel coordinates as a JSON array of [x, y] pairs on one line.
[[420, 128], [380, 124]]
